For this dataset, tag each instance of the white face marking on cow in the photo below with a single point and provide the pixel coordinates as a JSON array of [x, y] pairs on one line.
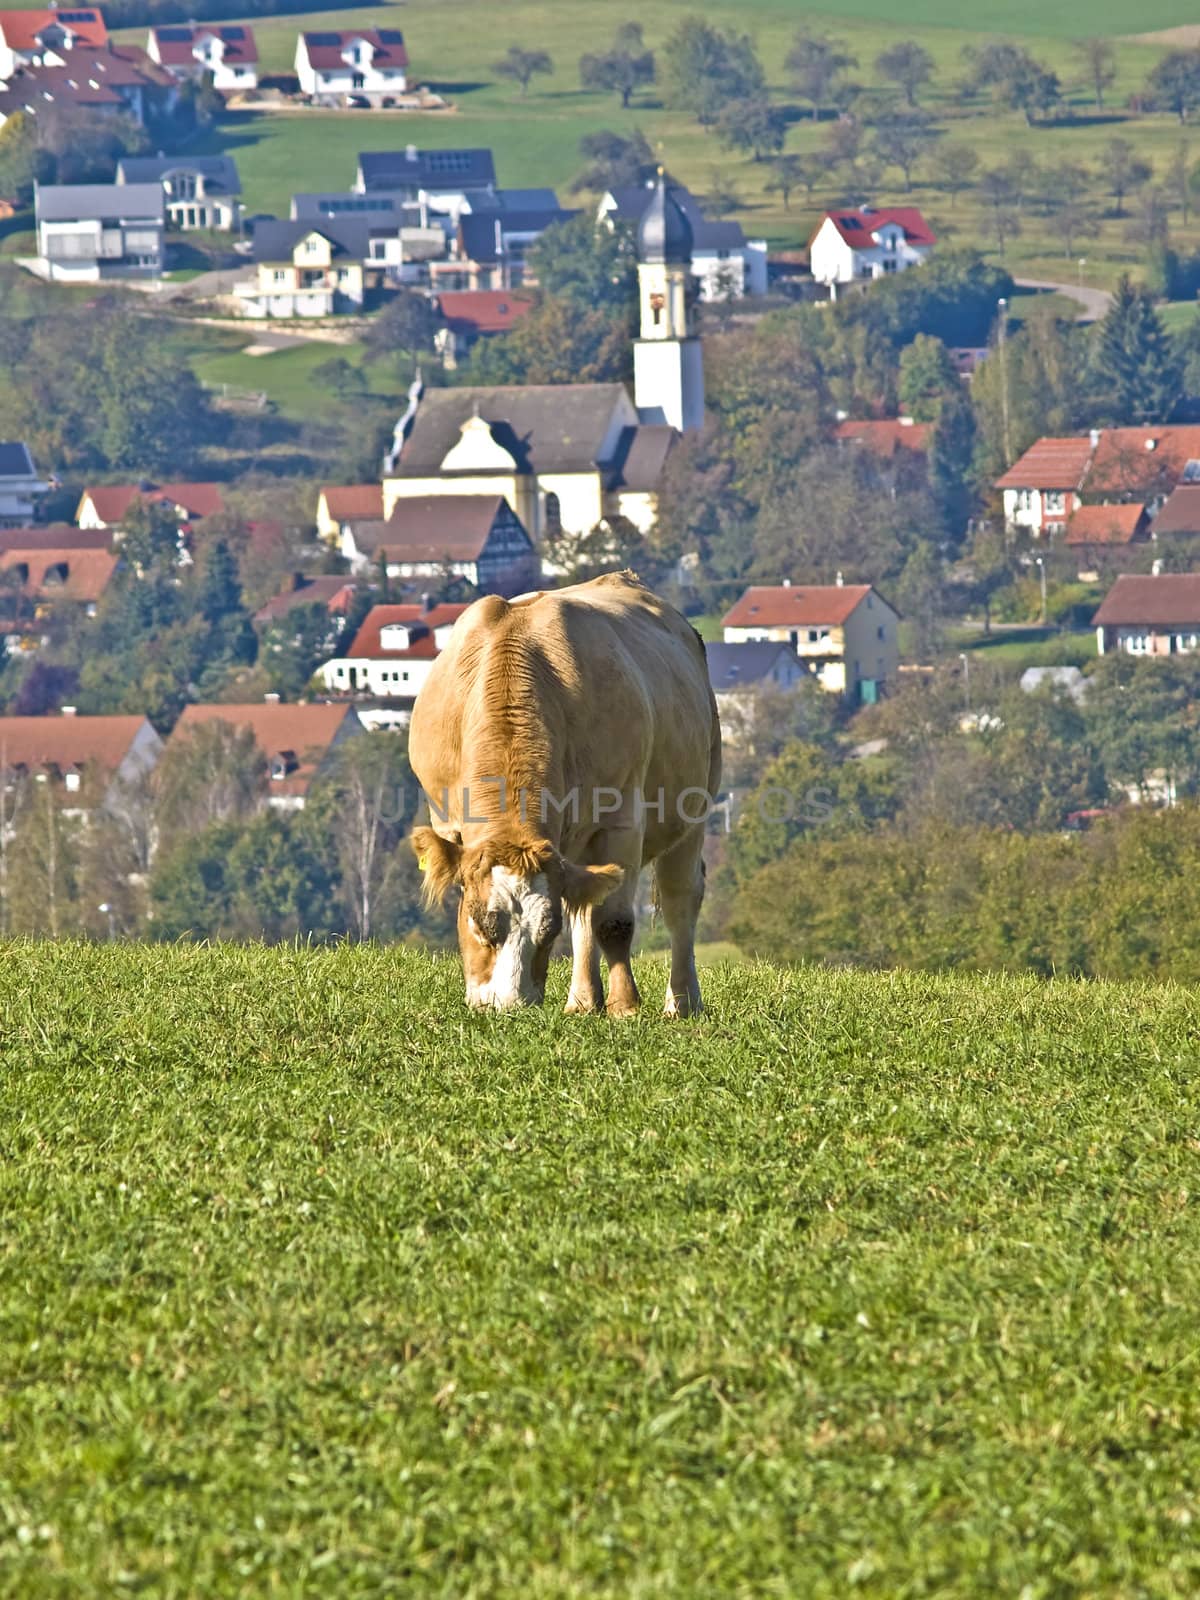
[[529, 919]]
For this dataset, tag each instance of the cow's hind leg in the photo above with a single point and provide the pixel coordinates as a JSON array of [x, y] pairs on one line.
[[614, 921], [587, 991], [680, 875]]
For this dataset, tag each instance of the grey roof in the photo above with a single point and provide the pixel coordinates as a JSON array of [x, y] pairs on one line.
[[642, 455], [15, 460], [1181, 511], [106, 202], [378, 207], [275, 241], [450, 170], [630, 202], [219, 171], [546, 428], [514, 200], [664, 232], [477, 232], [733, 666]]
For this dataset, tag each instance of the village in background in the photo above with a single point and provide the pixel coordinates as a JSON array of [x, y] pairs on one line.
[[938, 522]]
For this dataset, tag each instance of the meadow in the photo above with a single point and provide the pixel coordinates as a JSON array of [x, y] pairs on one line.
[[315, 1284]]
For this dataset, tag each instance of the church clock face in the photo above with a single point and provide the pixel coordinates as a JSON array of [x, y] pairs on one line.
[[657, 302]]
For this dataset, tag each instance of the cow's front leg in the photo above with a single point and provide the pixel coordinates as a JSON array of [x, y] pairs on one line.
[[587, 991], [680, 875]]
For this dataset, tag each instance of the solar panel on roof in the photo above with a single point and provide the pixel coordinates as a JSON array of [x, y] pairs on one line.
[[233, 33], [1191, 473], [76, 16], [323, 38], [390, 36], [175, 35]]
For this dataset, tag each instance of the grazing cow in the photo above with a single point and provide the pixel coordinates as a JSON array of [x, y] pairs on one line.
[[564, 740]]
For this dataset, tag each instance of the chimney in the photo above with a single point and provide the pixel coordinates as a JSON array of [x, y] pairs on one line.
[[271, 699], [1151, 444], [410, 152], [1156, 569], [68, 711], [787, 583], [1094, 438], [426, 602], [839, 580]]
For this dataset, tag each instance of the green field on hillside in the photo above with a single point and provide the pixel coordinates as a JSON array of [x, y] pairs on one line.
[[315, 1284]]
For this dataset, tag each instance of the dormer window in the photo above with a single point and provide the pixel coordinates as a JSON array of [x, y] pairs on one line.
[[282, 765], [72, 778]]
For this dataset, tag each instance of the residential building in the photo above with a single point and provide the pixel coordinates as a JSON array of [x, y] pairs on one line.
[[472, 314], [46, 38], [1042, 489], [1106, 536], [1150, 616], [739, 672], [21, 486], [845, 634], [441, 179], [560, 454], [367, 66], [725, 264], [476, 537], [226, 51], [98, 759], [90, 231], [298, 741], [200, 191], [393, 652], [333, 593], [870, 242], [55, 564], [1180, 514], [107, 505], [356, 502], [307, 269], [887, 438], [489, 248]]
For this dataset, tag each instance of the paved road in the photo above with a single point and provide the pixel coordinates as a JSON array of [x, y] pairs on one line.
[[1094, 302]]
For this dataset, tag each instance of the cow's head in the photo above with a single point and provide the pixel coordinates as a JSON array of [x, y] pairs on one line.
[[514, 894]]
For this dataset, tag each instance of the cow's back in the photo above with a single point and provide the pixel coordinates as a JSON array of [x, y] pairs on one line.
[[597, 686]]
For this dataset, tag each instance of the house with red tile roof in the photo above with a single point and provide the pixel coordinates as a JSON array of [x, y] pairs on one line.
[[354, 502], [298, 741], [94, 757], [368, 64], [1150, 616], [1107, 536], [107, 505], [885, 437], [868, 242], [1043, 487], [226, 50], [393, 651], [44, 567], [469, 315], [1138, 466], [335, 594], [46, 38], [844, 633]]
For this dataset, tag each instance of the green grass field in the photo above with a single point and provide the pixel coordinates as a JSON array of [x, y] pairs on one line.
[[314, 1284]]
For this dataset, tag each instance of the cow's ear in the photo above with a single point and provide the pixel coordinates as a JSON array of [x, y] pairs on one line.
[[440, 860], [589, 886]]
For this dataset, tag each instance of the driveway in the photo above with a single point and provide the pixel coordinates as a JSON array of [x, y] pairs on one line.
[[1094, 302]]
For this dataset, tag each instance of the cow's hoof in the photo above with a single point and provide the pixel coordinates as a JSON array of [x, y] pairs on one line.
[[682, 1005], [623, 1008], [577, 1007]]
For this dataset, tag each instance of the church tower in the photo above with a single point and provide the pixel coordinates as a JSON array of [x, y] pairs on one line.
[[668, 371]]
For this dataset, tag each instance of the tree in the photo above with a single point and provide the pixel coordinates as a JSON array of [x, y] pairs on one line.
[[927, 376], [1135, 369], [522, 66], [1037, 92], [407, 326], [704, 68], [954, 165], [212, 773], [1074, 217], [150, 413], [902, 142], [361, 803], [789, 172], [614, 161], [1100, 64], [1122, 169], [21, 160], [151, 537], [921, 596], [991, 566], [626, 66], [1178, 180], [998, 194], [1174, 84], [591, 266], [907, 64], [753, 125], [816, 63], [341, 377]]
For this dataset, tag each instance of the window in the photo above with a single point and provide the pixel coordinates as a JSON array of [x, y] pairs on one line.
[[279, 276], [881, 632], [1055, 500], [813, 636], [71, 779], [552, 513]]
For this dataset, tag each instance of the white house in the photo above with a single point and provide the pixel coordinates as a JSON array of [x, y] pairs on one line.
[[225, 50], [1150, 616], [724, 262], [200, 191], [871, 242], [393, 652], [20, 485], [90, 231], [370, 65], [46, 38], [442, 180], [845, 634]]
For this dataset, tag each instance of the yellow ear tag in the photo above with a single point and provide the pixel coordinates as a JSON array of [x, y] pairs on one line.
[[422, 863]]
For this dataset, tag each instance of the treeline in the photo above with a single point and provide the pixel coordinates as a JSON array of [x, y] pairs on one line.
[[191, 850]]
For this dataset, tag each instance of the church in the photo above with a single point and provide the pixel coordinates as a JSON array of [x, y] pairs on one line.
[[569, 456]]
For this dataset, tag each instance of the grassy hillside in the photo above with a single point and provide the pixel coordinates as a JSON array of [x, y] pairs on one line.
[[313, 1284]]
